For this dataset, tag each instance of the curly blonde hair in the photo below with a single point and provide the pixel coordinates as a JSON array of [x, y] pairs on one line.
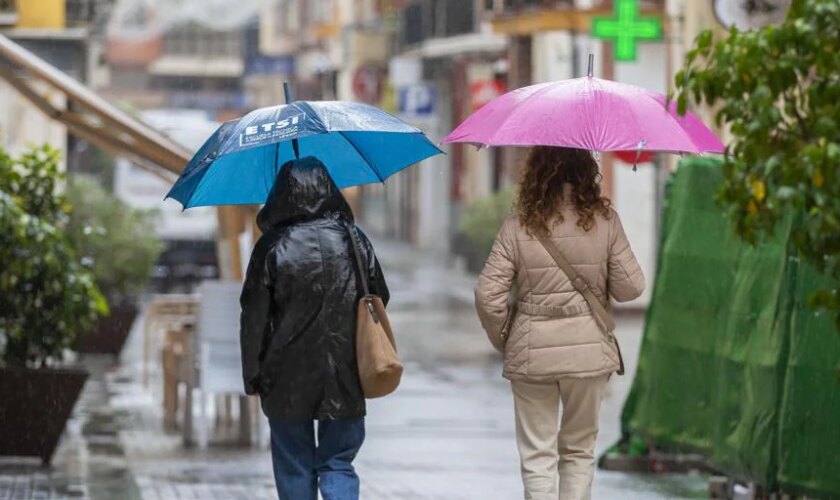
[[541, 188]]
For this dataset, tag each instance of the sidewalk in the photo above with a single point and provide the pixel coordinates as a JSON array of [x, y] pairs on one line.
[[448, 433]]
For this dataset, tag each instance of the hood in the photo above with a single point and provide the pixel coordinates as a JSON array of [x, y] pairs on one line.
[[302, 191]]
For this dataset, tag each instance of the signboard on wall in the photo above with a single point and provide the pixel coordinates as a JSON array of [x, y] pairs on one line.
[[634, 157], [417, 100], [626, 28], [484, 91], [369, 83], [259, 64]]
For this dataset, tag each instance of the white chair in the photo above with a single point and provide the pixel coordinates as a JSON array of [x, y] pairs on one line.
[[219, 360]]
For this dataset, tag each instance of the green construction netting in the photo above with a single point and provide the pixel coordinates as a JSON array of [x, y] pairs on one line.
[[734, 364]]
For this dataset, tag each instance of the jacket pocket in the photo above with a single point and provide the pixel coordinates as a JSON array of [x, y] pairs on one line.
[[566, 360]]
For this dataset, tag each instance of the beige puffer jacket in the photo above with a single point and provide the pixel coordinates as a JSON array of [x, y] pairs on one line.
[[554, 334]]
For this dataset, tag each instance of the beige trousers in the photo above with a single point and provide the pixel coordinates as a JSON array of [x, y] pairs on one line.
[[549, 457]]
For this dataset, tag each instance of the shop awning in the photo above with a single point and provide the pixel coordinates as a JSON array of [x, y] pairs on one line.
[[460, 45], [88, 116]]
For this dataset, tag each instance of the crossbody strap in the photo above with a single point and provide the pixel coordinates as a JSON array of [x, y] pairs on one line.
[[357, 252], [356, 243], [581, 285]]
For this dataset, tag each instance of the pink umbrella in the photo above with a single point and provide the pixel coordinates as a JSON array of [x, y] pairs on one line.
[[586, 113]]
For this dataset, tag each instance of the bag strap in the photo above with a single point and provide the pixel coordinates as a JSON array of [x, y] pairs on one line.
[[357, 244], [581, 285]]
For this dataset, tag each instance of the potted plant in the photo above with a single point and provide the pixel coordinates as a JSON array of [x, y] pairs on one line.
[[480, 223], [122, 247], [46, 299]]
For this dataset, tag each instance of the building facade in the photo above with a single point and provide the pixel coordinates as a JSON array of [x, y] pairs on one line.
[[446, 63], [159, 62], [65, 34]]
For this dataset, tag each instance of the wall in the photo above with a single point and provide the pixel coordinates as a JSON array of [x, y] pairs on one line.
[[688, 19], [434, 225], [552, 56], [142, 189], [41, 14], [22, 125], [477, 177], [634, 193]]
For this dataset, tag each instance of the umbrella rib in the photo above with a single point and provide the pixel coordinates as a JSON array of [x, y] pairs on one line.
[[369, 163]]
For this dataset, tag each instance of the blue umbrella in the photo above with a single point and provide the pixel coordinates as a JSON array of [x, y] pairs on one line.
[[359, 144]]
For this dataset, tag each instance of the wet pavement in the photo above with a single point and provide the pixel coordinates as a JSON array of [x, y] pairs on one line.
[[447, 433]]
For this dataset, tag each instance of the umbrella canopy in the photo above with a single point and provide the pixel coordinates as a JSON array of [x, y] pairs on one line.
[[359, 144], [586, 113]]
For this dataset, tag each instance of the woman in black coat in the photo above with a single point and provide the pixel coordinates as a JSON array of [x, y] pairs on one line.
[[298, 332]]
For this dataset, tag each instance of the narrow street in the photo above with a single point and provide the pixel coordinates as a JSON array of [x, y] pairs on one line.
[[447, 434], [147, 145]]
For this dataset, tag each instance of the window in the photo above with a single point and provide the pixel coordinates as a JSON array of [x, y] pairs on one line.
[[458, 17], [78, 12], [412, 24], [8, 12], [288, 17], [322, 11], [195, 40], [181, 40]]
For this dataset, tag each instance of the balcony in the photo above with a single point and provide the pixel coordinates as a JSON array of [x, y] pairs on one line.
[[513, 6]]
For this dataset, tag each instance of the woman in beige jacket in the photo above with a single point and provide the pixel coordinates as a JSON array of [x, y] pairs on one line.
[[555, 350]]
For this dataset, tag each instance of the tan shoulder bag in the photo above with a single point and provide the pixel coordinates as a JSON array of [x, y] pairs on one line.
[[380, 368], [602, 317]]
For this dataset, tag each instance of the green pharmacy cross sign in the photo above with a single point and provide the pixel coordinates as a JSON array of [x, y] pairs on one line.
[[627, 27]]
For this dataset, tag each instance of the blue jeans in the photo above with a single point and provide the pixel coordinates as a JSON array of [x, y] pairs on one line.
[[300, 466]]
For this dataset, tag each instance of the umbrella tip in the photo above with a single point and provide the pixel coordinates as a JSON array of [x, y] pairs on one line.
[[589, 68], [287, 92]]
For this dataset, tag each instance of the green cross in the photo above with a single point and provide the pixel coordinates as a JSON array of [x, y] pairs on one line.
[[626, 28]]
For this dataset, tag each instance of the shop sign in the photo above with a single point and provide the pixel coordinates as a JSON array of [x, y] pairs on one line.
[[484, 91], [259, 64], [634, 157], [369, 83], [627, 28], [417, 100]]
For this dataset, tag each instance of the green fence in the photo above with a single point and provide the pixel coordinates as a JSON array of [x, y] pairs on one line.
[[734, 364]]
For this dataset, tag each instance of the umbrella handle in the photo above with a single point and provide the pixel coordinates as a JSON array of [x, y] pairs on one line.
[[288, 95]]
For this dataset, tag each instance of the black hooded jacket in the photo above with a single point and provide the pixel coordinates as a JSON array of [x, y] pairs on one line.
[[299, 300]]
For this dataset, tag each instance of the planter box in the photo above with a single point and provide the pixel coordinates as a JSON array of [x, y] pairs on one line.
[[474, 259], [36, 406], [110, 333]]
